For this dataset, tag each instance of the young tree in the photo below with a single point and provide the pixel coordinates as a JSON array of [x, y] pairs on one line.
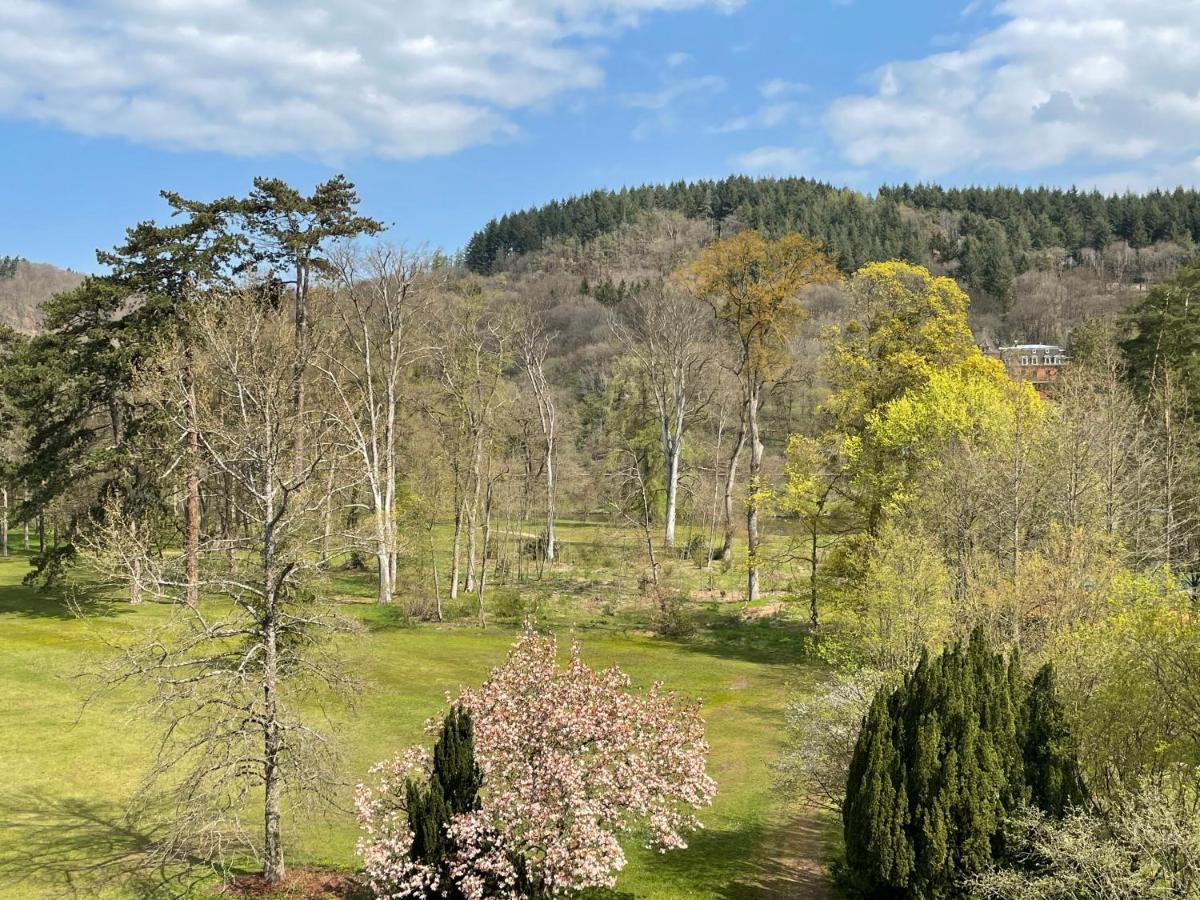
[[534, 345], [753, 286], [554, 804], [476, 348], [233, 674], [451, 790], [812, 494]]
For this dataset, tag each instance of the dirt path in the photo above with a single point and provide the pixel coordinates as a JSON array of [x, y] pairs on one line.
[[793, 870]]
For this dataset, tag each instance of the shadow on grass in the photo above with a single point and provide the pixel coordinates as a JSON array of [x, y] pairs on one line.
[[58, 602], [76, 847], [752, 861], [761, 641]]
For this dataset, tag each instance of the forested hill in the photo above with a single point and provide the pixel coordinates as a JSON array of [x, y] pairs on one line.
[[25, 285], [1036, 261], [920, 223], [856, 227]]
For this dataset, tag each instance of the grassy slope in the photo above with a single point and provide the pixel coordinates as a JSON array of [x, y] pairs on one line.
[[63, 776]]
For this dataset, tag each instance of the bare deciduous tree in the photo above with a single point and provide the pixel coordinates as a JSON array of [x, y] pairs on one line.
[[382, 299], [664, 330], [232, 674]]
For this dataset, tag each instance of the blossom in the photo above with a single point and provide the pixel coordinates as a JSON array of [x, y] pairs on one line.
[[572, 760]]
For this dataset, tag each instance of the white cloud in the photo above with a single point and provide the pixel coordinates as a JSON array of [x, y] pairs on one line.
[[365, 77], [665, 96], [677, 59], [1105, 82], [775, 160], [778, 87], [660, 105], [771, 115]]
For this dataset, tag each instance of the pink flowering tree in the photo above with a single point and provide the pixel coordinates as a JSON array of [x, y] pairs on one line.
[[573, 760]]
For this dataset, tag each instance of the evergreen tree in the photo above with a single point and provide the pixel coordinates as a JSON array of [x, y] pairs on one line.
[[453, 788], [1051, 767], [940, 762]]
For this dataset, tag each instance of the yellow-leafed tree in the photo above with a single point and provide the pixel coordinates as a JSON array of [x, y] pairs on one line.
[[754, 287]]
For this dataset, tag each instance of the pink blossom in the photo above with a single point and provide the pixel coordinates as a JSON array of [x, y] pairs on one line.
[[572, 761]]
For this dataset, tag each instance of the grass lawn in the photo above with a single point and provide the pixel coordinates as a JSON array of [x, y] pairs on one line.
[[65, 772]]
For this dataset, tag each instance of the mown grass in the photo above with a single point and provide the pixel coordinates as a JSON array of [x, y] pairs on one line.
[[66, 771]]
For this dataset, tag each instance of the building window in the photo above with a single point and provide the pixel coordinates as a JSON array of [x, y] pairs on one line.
[[1024, 360]]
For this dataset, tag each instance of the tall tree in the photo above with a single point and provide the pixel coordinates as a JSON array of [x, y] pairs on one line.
[[534, 345], [658, 326], [230, 680], [753, 286], [289, 230], [381, 301]]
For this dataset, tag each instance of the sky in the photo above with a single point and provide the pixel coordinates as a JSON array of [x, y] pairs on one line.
[[447, 113]]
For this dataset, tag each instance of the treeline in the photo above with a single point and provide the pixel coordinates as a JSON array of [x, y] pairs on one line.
[[1041, 218], [1019, 252], [858, 228], [854, 227]]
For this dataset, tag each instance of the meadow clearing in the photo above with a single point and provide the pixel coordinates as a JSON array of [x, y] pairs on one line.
[[67, 770]]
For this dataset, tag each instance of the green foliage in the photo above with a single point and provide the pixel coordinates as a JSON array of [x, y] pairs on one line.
[[453, 788], [1051, 764], [8, 266], [938, 765], [855, 228], [1161, 351]]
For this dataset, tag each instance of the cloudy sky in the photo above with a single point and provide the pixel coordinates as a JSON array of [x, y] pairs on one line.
[[448, 113]]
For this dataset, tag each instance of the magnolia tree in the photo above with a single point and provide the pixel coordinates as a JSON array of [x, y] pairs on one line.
[[572, 760]]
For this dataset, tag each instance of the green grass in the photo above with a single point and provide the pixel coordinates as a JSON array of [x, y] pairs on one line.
[[65, 772]]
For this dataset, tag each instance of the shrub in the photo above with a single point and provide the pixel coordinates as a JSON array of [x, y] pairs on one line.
[[941, 760]]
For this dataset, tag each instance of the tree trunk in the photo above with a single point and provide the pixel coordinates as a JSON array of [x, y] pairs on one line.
[[384, 565], [673, 449], [272, 737], [4, 522], [301, 354], [191, 523], [437, 588], [272, 777], [473, 514], [730, 484], [551, 540], [487, 535], [456, 550], [812, 570], [756, 454]]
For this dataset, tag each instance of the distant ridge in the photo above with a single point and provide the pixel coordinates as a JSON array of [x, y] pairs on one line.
[[975, 227], [25, 285]]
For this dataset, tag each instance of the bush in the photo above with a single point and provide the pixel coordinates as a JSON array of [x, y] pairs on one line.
[[674, 619], [941, 760]]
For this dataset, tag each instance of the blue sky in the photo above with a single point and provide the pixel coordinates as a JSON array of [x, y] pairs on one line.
[[447, 114]]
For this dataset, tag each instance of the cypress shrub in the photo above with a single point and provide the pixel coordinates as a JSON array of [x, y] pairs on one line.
[[453, 788], [940, 762]]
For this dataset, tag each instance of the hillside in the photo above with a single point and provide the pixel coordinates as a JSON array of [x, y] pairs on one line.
[[1036, 262], [25, 285]]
